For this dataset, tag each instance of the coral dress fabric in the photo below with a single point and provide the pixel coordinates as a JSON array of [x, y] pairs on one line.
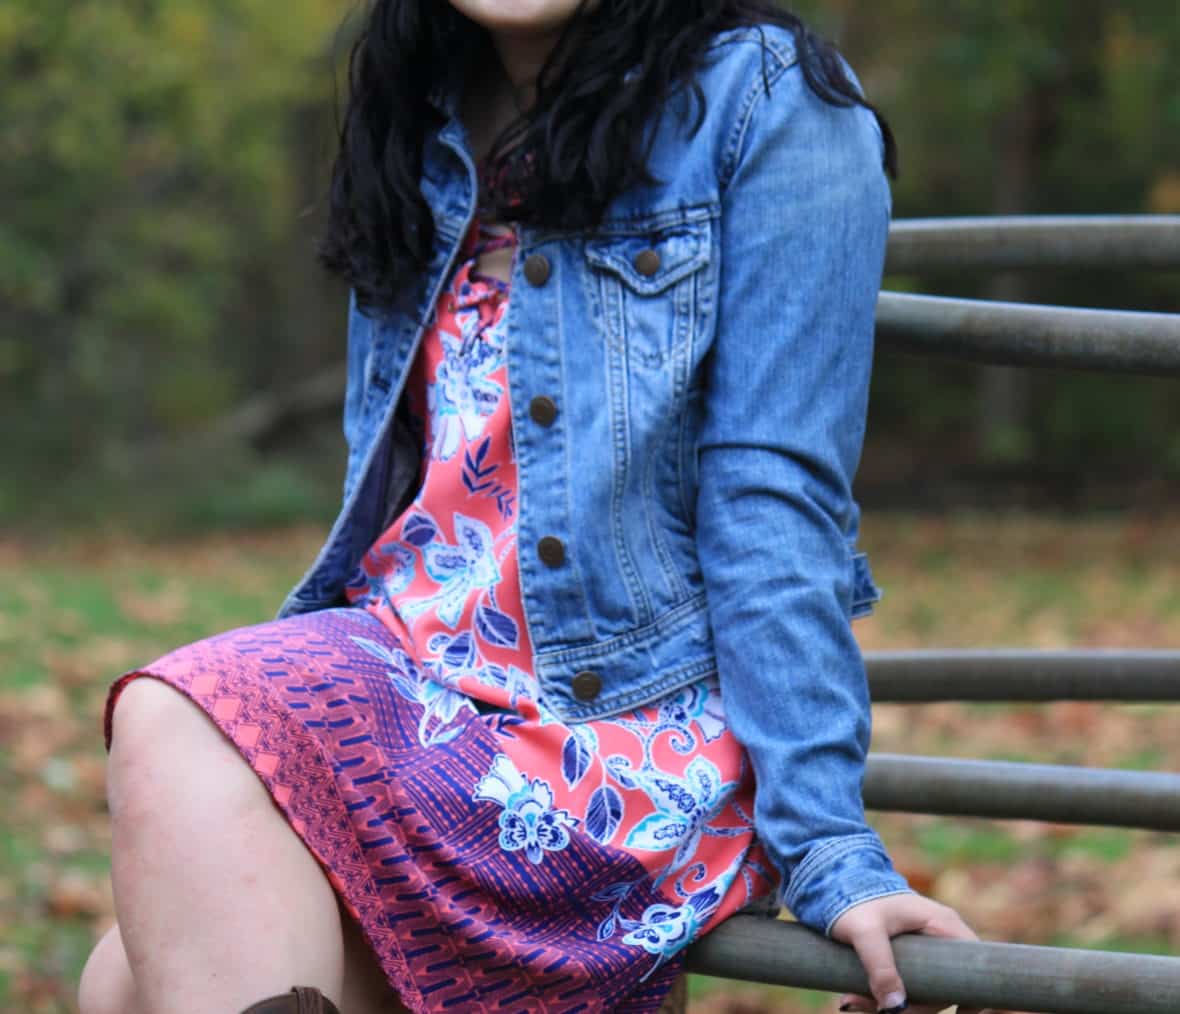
[[495, 858]]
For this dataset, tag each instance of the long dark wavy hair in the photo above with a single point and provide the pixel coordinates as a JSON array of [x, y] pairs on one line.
[[578, 146]]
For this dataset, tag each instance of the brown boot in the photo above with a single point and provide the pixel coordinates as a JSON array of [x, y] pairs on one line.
[[301, 1000]]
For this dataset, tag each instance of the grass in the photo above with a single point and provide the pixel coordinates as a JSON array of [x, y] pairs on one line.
[[77, 612]]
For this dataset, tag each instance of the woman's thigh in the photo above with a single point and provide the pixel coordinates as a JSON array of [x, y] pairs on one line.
[[154, 718]]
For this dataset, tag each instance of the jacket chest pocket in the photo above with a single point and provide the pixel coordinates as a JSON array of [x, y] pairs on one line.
[[651, 288]]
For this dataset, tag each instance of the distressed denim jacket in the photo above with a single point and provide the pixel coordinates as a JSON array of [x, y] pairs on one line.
[[688, 387]]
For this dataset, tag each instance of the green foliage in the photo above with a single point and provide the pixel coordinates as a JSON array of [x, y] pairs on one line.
[[1110, 844], [146, 163], [162, 166], [948, 843], [1028, 107]]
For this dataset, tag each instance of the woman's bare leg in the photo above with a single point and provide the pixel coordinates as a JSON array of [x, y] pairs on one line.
[[108, 987], [219, 902]]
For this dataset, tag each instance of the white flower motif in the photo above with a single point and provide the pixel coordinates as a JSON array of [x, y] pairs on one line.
[[463, 394], [458, 569], [529, 820], [699, 703], [684, 807], [440, 704], [664, 930], [400, 573]]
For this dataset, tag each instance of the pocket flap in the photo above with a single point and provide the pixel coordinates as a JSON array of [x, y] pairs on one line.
[[649, 262]]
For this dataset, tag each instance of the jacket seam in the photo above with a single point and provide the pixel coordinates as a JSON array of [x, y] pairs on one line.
[[561, 435], [754, 91], [621, 442], [752, 33], [674, 579]]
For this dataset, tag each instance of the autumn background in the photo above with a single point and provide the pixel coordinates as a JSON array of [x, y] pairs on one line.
[[170, 379]]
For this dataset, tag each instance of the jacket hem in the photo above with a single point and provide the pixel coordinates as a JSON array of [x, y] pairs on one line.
[[638, 698]]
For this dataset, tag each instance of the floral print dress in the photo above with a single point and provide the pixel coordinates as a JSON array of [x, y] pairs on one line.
[[496, 858]]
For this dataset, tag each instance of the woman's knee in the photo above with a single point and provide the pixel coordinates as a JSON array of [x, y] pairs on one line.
[[165, 748], [147, 712], [107, 985]]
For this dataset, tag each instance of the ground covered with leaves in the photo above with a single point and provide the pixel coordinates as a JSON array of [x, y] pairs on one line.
[[75, 614]]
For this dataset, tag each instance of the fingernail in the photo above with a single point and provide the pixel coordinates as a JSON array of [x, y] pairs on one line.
[[894, 1004]]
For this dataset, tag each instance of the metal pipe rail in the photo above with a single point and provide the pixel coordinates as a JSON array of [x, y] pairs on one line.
[[1019, 675], [1020, 334], [1034, 241], [1013, 790], [1004, 976], [1052, 980]]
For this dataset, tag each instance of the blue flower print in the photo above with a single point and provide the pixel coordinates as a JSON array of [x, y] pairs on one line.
[[454, 657], [529, 820], [403, 671], [684, 806], [373, 585], [463, 395], [440, 704], [479, 478], [519, 684], [457, 569], [400, 573], [384, 580], [664, 930], [698, 704]]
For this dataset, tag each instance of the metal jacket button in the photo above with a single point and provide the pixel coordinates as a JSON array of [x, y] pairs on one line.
[[551, 551], [536, 269], [587, 685], [647, 262], [543, 409]]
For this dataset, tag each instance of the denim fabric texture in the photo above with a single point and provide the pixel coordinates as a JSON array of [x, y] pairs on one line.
[[711, 405]]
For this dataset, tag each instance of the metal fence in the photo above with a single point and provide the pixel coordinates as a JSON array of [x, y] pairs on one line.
[[1022, 334], [1051, 980]]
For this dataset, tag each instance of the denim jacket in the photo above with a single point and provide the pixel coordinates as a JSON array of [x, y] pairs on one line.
[[688, 387]]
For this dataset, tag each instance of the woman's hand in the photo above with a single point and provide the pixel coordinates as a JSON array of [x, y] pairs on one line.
[[867, 928]]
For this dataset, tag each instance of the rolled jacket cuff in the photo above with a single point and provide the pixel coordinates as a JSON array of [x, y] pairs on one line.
[[837, 874]]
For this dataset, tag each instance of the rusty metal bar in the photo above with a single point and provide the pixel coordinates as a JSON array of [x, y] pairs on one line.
[[1020, 334], [1024, 242], [1052, 980], [1018, 675], [1061, 793]]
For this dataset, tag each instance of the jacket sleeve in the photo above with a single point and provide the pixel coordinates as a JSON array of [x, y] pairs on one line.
[[804, 221]]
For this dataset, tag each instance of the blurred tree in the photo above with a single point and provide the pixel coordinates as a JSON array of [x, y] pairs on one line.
[[1029, 107], [161, 165], [150, 201]]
